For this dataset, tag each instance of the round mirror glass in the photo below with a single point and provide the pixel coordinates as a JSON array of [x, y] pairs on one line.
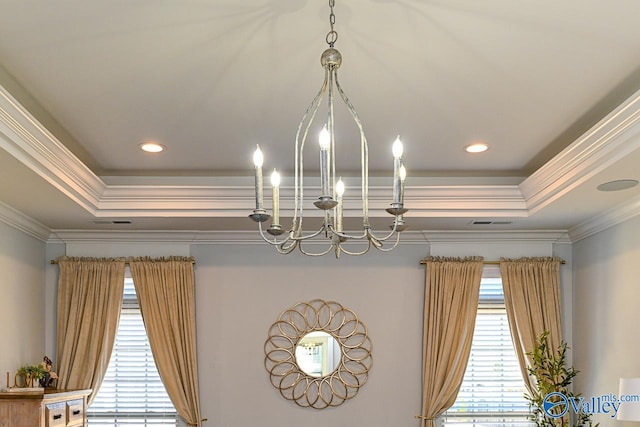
[[318, 354]]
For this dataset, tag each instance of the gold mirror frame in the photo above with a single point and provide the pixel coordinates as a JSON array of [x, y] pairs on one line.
[[355, 349]]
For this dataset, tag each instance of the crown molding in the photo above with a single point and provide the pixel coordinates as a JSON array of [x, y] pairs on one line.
[[472, 236], [190, 237], [466, 201], [21, 222], [30, 142], [423, 237], [607, 219], [134, 236], [614, 137], [237, 200]]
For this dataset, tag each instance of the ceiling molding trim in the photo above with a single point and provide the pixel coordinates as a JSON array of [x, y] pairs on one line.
[[466, 201], [137, 236], [438, 236], [176, 200], [22, 136], [192, 237], [238, 200], [607, 219], [21, 222], [614, 137], [253, 237]]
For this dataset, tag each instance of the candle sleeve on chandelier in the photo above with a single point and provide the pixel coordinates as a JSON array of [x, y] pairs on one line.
[[403, 176], [275, 188], [397, 149], [257, 161], [325, 141], [339, 194]]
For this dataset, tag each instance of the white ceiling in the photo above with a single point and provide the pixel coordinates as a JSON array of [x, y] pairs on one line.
[[550, 86]]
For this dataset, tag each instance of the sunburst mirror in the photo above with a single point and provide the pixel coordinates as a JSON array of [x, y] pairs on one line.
[[318, 354]]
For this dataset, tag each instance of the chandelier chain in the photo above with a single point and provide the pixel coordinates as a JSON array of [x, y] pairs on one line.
[[332, 35]]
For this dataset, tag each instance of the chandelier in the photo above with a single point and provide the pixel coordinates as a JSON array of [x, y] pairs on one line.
[[330, 201]]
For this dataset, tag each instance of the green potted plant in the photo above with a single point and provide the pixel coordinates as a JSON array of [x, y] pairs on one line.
[[31, 375], [552, 375]]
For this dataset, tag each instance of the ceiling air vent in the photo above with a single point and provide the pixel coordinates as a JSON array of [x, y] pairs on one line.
[[109, 221], [489, 222]]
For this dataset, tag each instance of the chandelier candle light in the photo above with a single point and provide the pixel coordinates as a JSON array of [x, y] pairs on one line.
[[332, 191]]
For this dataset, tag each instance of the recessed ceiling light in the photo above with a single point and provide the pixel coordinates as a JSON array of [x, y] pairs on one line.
[[476, 148], [152, 147], [621, 184]]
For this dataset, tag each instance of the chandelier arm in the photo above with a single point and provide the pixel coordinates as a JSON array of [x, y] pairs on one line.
[[329, 249], [394, 230], [364, 153], [303, 126], [395, 244], [301, 238], [275, 241], [347, 236], [332, 153], [364, 251], [287, 247]]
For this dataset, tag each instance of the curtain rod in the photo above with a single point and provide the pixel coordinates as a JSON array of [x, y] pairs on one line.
[[55, 261], [422, 262]]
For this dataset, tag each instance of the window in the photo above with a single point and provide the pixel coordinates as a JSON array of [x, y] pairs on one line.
[[492, 392], [132, 393]]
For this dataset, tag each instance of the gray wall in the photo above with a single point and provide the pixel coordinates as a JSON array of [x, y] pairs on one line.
[[606, 334], [242, 289], [22, 301]]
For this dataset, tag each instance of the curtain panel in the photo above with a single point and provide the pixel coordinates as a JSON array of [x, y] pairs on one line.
[[452, 291], [532, 301], [89, 303], [166, 293]]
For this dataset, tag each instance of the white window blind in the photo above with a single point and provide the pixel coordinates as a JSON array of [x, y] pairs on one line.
[[492, 392], [132, 393]]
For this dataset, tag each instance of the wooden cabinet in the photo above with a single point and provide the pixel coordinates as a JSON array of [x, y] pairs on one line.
[[54, 408]]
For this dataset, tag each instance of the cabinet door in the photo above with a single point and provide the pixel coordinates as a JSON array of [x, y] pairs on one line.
[[75, 412], [55, 415], [20, 413]]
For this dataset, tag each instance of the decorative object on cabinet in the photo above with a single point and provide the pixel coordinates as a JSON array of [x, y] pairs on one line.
[[51, 408], [318, 354], [50, 378], [31, 375]]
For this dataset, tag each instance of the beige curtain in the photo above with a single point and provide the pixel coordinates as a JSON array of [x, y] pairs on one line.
[[166, 293], [451, 303], [532, 300], [89, 304]]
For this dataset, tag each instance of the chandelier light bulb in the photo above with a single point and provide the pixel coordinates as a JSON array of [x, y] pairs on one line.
[[258, 158], [340, 188], [275, 179], [397, 148], [324, 138]]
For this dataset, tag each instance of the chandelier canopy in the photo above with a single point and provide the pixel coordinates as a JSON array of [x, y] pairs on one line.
[[332, 190]]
